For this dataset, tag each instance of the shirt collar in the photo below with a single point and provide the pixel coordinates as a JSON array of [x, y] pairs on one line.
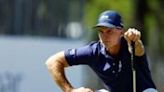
[[103, 51]]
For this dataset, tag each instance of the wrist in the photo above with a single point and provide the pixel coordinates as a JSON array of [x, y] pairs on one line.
[[137, 42], [68, 89], [139, 48]]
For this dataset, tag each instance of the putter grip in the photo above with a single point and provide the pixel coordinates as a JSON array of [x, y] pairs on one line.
[[133, 48]]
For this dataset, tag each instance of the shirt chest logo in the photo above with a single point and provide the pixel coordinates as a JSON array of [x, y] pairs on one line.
[[107, 66]]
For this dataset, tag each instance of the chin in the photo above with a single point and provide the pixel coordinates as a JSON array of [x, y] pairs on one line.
[[112, 45]]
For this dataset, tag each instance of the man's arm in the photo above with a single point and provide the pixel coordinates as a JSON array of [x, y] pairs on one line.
[[133, 35], [139, 48], [56, 65]]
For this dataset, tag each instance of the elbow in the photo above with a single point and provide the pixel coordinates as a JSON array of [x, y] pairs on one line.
[[47, 63], [56, 61], [50, 63]]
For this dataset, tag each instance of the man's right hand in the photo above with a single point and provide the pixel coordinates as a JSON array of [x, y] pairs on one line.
[[82, 89]]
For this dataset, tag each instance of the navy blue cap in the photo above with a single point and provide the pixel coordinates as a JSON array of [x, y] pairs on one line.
[[110, 19]]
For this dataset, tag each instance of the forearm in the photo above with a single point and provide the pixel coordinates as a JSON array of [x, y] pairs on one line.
[[133, 35], [139, 48], [58, 75], [56, 65]]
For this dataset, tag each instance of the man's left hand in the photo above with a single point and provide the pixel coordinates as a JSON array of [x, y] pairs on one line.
[[132, 35]]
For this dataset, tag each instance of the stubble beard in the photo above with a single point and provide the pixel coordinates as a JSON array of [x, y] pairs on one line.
[[113, 47]]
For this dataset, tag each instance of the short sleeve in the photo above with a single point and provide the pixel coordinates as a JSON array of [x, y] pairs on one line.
[[142, 62], [141, 58], [78, 56]]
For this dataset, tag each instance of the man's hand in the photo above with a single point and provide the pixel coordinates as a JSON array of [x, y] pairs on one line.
[[133, 35], [82, 89]]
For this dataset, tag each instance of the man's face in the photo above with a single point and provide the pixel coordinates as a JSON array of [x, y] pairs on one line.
[[110, 36]]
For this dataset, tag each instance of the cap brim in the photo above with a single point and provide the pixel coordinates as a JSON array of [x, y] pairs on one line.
[[105, 25]]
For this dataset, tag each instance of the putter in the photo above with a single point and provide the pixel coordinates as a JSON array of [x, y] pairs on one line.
[[132, 50]]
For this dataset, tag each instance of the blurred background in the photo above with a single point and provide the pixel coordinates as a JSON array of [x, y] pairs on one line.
[[33, 30]]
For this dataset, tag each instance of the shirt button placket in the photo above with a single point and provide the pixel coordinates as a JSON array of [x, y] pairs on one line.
[[113, 71]]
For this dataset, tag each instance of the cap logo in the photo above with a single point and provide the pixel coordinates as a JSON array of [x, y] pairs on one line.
[[104, 17]]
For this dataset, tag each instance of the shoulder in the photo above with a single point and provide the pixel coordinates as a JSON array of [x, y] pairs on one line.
[[81, 55], [94, 46], [90, 49]]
